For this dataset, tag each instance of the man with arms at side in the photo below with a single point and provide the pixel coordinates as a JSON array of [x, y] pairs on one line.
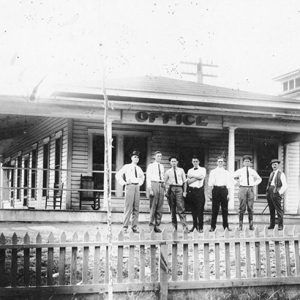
[[247, 178], [156, 187], [195, 194], [220, 183], [275, 189], [175, 180], [134, 178]]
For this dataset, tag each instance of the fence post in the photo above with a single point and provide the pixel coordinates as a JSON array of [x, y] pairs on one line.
[[164, 268]]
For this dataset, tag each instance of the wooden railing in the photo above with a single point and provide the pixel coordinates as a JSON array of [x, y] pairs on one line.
[[148, 262]]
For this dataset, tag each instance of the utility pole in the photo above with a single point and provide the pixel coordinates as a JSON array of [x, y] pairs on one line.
[[198, 67]]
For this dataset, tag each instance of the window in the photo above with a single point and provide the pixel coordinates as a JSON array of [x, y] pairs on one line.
[[33, 172], [297, 82], [291, 84], [98, 160], [19, 176], [285, 86], [46, 159], [58, 155], [25, 182]]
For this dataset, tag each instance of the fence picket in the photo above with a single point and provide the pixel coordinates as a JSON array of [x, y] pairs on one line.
[[164, 268], [287, 253], [85, 259], [62, 260], [248, 255], [153, 258], [26, 260], [227, 255], [96, 277], [50, 260], [237, 246], [185, 261], [2, 261], [131, 259], [107, 263], [38, 261], [14, 261], [297, 258], [120, 258], [257, 254], [142, 257], [174, 257], [206, 254], [277, 252], [196, 255], [217, 257], [74, 260], [267, 249]]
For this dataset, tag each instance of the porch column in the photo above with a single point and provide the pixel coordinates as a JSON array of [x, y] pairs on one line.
[[109, 134], [231, 160], [2, 183], [119, 162]]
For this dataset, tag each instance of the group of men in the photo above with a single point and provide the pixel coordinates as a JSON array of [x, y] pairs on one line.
[[181, 189]]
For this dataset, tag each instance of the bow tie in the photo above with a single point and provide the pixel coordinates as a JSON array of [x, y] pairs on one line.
[[196, 168]]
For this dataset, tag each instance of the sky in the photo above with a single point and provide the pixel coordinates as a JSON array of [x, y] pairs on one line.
[[71, 41]]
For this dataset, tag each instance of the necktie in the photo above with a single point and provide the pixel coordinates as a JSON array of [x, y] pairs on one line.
[[176, 181], [159, 172], [271, 177], [195, 168], [247, 176], [135, 172]]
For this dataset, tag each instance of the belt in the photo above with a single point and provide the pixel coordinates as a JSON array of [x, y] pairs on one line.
[[220, 186], [247, 186], [157, 181], [132, 184]]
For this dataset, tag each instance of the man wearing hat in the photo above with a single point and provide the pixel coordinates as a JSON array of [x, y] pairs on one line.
[[275, 189], [156, 187], [132, 177], [175, 180], [247, 178]]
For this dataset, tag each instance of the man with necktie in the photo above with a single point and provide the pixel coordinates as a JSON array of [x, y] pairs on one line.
[[247, 178], [195, 193], [132, 177], [276, 187], [156, 187], [175, 180], [220, 182]]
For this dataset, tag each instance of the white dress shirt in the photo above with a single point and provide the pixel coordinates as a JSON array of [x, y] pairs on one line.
[[220, 177], [241, 174], [129, 171], [283, 181], [170, 176], [200, 171], [152, 173]]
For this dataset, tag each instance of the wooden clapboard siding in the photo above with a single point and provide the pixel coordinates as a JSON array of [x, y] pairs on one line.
[[48, 127], [292, 174]]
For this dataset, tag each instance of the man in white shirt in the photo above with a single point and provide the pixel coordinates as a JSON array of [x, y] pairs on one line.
[[175, 180], [275, 189], [156, 187], [247, 178], [220, 183], [195, 194], [134, 178]]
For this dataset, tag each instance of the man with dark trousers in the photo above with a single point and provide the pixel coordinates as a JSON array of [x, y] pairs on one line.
[[156, 187], [132, 176], [276, 187], [247, 178], [220, 183], [195, 193], [175, 181]]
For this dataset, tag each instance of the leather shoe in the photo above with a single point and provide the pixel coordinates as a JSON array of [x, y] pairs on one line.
[[135, 230], [271, 227], [200, 230], [228, 229], [212, 229], [156, 229], [280, 227], [192, 229]]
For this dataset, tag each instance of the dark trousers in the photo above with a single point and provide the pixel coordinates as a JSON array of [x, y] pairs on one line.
[[274, 202], [219, 198], [176, 204], [196, 200], [156, 203]]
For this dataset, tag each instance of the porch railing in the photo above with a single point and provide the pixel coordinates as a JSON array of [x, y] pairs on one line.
[[148, 262]]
